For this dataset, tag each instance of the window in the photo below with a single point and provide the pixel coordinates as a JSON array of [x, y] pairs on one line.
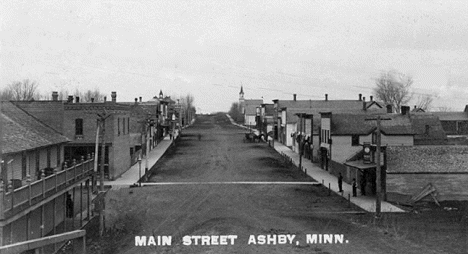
[[38, 160], [78, 126], [123, 122], [355, 140], [118, 126], [58, 155], [427, 129], [48, 156], [23, 165]]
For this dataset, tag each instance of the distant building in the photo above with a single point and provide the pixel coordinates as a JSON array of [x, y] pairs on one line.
[[248, 108], [454, 123]]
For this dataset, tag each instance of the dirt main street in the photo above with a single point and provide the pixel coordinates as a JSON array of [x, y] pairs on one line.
[[200, 190]]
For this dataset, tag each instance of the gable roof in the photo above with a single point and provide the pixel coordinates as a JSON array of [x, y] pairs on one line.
[[356, 124], [21, 131], [434, 134]]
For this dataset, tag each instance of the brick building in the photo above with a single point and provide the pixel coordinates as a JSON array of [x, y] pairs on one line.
[[78, 121]]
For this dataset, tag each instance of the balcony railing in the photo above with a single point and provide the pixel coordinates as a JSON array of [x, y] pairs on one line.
[[36, 191]]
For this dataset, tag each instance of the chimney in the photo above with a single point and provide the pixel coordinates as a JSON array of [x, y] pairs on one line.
[[360, 97], [140, 98], [92, 100], [363, 98], [55, 96], [371, 98], [136, 101], [114, 96], [77, 99], [70, 99], [294, 96], [389, 109], [326, 97], [105, 98], [405, 110]]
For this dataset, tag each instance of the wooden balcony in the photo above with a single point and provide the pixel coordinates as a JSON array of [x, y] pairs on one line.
[[17, 200]]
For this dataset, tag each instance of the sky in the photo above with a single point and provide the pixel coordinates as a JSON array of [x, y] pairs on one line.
[[210, 48]]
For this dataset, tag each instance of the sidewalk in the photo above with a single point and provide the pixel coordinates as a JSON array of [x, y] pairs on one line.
[[365, 202], [256, 132], [132, 175]]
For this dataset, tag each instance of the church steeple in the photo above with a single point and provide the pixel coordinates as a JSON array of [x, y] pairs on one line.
[[241, 93], [160, 94]]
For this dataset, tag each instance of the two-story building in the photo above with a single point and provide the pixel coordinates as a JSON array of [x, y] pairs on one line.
[[343, 136], [287, 112], [78, 121], [36, 185]]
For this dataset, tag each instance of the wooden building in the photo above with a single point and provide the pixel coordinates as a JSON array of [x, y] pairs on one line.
[[36, 182]]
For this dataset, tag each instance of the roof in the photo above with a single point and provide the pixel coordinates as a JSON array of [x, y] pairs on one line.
[[327, 105], [315, 107], [356, 124], [452, 116], [22, 132], [434, 134], [420, 159], [251, 106]]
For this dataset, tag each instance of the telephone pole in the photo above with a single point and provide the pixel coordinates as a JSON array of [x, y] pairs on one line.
[[378, 178], [102, 120]]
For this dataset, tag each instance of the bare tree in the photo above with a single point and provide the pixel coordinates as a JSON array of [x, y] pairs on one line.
[[393, 88], [20, 91], [6, 95], [425, 102]]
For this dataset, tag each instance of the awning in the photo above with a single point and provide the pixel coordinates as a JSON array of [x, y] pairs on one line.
[[360, 164]]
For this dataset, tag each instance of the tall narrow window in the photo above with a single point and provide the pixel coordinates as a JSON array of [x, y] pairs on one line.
[[58, 155], [123, 127], [48, 156], [354, 140], [23, 165], [78, 126], [118, 126]]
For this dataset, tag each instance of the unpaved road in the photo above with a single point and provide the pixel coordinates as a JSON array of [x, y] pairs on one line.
[[227, 206]]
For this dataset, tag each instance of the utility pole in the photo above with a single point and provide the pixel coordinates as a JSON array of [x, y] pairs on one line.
[[300, 140], [378, 178], [102, 120], [147, 146]]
